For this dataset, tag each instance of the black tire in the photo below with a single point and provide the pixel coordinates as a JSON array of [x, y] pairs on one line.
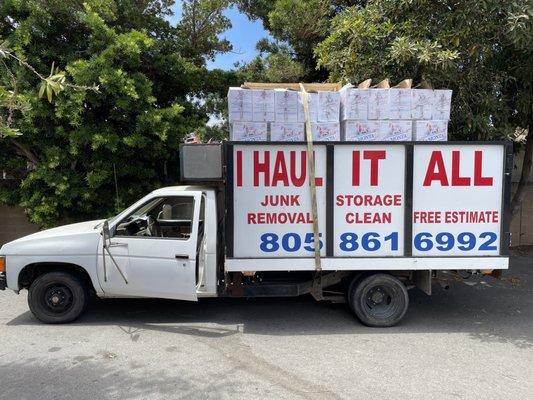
[[379, 300], [57, 297]]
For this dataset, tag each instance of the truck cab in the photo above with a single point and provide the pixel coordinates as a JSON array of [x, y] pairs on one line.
[[163, 246]]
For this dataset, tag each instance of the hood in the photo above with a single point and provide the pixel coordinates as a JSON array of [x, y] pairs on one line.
[[66, 239]]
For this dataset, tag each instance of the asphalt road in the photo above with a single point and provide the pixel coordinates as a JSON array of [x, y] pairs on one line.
[[474, 341]]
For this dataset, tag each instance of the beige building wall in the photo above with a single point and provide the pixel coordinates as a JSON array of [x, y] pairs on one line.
[[522, 223], [14, 224]]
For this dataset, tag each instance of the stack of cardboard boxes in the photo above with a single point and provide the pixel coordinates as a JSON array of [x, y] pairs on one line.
[[351, 114], [396, 114], [278, 115]]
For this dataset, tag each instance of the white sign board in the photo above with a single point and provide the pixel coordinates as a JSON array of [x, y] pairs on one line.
[[272, 201], [369, 186], [457, 195], [457, 199]]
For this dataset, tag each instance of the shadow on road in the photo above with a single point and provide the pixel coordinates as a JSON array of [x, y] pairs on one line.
[[489, 310]]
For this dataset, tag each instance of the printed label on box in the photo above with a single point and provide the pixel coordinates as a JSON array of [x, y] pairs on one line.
[[249, 131], [287, 131], [378, 103], [286, 105], [329, 104], [421, 103], [400, 103], [361, 131], [396, 131], [354, 104], [240, 104], [326, 131], [442, 103], [431, 131], [263, 105]]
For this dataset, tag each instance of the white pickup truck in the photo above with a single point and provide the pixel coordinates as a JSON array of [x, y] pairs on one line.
[[388, 217]]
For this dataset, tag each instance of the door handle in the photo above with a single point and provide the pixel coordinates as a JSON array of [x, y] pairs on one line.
[[118, 244], [182, 256]]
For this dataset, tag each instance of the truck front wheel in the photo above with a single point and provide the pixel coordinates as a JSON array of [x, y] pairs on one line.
[[379, 300], [57, 297]]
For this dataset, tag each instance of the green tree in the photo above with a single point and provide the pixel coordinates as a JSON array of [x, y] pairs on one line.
[[296, 26], [482, 52], [68, 151]]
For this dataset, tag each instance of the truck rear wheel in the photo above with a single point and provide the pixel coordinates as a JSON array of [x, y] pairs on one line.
[[57, 297], [379, 300]]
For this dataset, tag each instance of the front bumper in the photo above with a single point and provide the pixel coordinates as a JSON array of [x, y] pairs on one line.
[[3, 281]]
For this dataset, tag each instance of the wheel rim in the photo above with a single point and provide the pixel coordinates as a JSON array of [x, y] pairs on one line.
[[58, 299], [380, 301]]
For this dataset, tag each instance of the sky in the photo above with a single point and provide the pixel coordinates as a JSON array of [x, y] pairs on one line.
[[243, 35]]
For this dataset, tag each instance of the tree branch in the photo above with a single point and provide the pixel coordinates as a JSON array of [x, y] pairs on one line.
[[25, 151]]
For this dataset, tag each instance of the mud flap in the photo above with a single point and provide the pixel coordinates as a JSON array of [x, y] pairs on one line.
[[422, 281]]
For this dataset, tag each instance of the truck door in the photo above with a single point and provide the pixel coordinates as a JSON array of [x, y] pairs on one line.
[[153, 250]]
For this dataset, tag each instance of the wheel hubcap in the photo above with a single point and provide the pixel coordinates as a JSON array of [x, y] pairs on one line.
[[58, 298], [379, 301]]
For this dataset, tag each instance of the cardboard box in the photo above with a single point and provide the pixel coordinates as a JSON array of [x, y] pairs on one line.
[[442, 103], [240, 104], [326, 131], [354, 103], [395, 130], [287, 131], [421, 103], [399, 103], [366, 131], [313, 108], [249, 131], [378, 103], [286, 105], [263, 105], [431, 131], [329, 105]]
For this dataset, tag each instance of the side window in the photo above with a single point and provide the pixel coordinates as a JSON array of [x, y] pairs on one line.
[[165, 217]]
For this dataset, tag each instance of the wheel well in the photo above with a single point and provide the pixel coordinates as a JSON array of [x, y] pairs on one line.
[[31, 271]]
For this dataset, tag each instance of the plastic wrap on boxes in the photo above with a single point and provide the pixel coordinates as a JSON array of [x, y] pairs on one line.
[[354, 103], [286, 105], [395, 130], [359, 130], [249, 131], [263, 105], [421, 103], [431, 131], [326, 131], [240, 104], [287, 131], [442, 102], [378, 103]]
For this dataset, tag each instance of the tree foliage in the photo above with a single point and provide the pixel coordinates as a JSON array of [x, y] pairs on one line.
[[151, 82], [449, 43]]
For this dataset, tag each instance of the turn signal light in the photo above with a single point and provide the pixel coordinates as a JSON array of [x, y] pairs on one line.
[[2, 264]]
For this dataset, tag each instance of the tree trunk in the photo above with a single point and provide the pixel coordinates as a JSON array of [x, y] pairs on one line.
[[524, 176]]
